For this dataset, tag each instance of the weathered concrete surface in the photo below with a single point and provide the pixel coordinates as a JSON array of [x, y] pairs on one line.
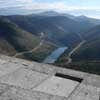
[[93, 80], [15, 93], [86, 92], [25, 80], [7, 67], [57, 86]]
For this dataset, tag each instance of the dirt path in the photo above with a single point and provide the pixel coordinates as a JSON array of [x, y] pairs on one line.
[[34, 49], [76, 48]]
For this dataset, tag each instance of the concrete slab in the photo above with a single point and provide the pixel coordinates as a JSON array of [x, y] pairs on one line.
[[86, 92], [21, 94], [7, 67], [57, 86], [24, 78], [93, 80]]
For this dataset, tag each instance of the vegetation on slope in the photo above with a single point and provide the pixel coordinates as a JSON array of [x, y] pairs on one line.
[[91, 49], [40, 54], [18, 38], [14, 40]]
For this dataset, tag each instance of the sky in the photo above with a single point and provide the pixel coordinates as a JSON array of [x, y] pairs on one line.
[[89, 8]]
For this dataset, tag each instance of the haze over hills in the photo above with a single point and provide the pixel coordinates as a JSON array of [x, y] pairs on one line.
[[85, 19], [47, 13]]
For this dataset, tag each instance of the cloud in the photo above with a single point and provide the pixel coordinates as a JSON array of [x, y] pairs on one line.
[[32, 5], [14, 3], [28, 6], [55, 5]]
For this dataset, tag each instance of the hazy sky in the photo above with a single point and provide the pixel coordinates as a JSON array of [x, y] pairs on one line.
[[77, 7]]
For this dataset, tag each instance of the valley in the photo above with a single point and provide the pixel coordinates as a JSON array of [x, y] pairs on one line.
[[54, 38]]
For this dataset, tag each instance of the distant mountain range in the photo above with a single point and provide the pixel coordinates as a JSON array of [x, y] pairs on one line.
[[22, 32], [59, 28]]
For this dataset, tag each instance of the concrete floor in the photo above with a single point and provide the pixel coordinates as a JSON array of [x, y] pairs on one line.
[[25, 80], [57, 86]]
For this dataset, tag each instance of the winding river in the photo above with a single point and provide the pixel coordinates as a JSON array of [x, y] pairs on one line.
[[55, 55]]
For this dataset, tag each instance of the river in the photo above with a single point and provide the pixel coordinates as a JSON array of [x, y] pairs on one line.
[[55, 55]]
